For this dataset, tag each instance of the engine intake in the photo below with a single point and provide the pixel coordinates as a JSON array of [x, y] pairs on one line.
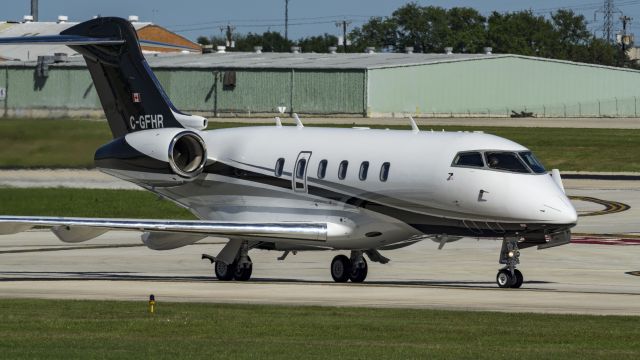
[[187, 154]]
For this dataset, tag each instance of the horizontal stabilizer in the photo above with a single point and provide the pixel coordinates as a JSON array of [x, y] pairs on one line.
[[158, 44], [78, 40], [60, 40]]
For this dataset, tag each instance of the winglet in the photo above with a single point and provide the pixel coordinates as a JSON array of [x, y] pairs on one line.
[[414, 126], [298, 122], [278, 122]]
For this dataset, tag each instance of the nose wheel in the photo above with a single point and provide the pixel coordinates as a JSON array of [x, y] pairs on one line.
[[509, 276], [505, 279]]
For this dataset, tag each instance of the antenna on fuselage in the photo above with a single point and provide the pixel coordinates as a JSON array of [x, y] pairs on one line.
[[278, 122], [298, 122], [414, 126]]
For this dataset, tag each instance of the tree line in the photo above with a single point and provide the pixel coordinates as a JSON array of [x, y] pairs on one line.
[[430, 29]]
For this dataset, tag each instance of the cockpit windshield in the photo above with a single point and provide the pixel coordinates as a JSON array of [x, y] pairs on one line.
[[523, 162], [533, 162], [506, 161]]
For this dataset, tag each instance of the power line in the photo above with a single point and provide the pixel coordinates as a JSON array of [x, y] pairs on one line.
[[608, 10], [261, 25], [586, 6], [236, 21]]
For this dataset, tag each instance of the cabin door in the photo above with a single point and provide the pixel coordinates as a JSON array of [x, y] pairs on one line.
[[299, 178]]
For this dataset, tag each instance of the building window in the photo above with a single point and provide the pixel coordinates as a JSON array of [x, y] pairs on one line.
[[364, 169], [384, 171], [342, 170], [322, 169], [279, 167]]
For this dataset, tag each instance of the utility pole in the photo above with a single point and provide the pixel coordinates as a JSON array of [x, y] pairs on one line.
[[625, 39], [286, 20], [34, 10], [608, 9], [344, 24], [228, 34]]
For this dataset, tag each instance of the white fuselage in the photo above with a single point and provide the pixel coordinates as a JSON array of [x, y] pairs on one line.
[[423, 193]]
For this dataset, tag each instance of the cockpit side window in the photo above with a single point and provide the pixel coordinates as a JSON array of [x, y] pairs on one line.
[[533, 162], [473, 159], [506, 161]]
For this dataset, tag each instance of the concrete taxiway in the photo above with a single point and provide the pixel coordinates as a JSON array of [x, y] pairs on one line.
[[576, 278], [583, 277]]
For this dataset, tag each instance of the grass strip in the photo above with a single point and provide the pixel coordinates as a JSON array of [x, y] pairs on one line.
[[56, 329], [88, 203], [32, 143]]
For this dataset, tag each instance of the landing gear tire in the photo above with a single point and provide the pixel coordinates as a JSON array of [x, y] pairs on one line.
[[504, 278], [518, 280], [509, 276], [224, 272], [340, 268], [243, 273], [358, 274]]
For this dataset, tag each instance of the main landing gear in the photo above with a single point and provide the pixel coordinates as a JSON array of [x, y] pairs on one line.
[[240, 269], [509, 276], [344, 269], [237, 270]]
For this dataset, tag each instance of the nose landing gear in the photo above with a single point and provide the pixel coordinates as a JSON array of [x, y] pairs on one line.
[[509, 276]]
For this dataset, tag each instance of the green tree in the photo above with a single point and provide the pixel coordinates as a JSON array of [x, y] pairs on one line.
[[572, 34], [425, 28], [271, 41], [203, 40], [468, 31], [521, 33], [600, 51], [571, 28], [318, 44], [377, 32]]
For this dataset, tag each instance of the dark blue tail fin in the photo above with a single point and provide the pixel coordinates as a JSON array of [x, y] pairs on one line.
[[131, 95]]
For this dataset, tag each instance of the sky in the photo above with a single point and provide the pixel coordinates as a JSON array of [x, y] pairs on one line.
[[192, 18]]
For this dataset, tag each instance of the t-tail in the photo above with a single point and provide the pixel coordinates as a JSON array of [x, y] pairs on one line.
[[133, 100], [131, 95]]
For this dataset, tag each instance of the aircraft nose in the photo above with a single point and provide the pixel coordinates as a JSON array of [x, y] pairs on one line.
[[564, 212]]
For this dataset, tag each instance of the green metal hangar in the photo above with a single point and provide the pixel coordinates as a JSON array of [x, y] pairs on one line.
[[376, 84]]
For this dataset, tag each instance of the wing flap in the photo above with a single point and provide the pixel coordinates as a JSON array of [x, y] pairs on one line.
[[168, 241], [81, 229], [9, 227], [76, 234]]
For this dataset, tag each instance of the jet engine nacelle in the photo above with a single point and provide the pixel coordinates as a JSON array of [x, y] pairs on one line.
[[184, 150]]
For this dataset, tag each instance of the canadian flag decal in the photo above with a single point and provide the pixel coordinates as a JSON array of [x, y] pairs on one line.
[[136, 97]]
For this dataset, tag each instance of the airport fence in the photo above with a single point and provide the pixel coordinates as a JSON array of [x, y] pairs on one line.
[[613, 107]]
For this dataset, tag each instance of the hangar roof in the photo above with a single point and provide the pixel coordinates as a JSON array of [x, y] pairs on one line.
[[250, 60], [350, 61], [305, 60], [26, 53]]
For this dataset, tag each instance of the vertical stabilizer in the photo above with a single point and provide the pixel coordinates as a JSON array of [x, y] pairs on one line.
[[131, 95]]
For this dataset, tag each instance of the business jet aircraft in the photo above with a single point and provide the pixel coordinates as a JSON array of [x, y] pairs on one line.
[[294, 188]]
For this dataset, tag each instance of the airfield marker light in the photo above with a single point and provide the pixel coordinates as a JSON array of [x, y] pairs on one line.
[[152, 304]]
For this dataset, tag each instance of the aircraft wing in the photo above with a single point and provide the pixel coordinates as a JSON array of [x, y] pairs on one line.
[[74, 230]]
